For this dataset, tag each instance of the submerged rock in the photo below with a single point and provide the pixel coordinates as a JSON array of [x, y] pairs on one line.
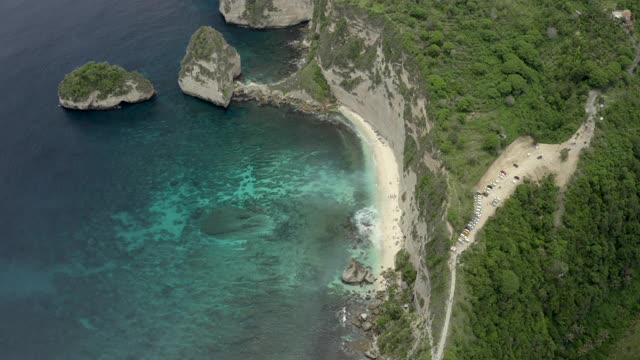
[[227, 220], [266, 13], [356, 274], [209, 67], [102, 86]]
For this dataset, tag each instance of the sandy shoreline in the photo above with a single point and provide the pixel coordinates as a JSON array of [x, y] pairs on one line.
[[387, 235]]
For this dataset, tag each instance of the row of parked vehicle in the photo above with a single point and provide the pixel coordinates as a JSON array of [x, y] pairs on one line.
[[477, 210]]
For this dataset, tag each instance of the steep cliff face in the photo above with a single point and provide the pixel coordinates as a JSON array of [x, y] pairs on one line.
[[94, 102], [266, 13], [368, 72], [209, 67]]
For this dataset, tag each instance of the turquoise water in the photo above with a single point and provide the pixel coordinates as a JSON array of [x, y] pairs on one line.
[[170, 229]]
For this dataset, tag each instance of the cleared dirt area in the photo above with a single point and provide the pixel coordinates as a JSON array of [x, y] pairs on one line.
[[534, 161]]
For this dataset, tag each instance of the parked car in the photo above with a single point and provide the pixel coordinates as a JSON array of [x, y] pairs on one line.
[[515, 165]]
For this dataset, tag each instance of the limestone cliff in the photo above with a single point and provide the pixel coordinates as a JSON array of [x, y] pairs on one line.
[[368, 72], [209, 67], [102, 86], [266, 13]]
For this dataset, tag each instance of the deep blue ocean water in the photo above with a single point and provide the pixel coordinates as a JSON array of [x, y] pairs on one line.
[[170, 229]]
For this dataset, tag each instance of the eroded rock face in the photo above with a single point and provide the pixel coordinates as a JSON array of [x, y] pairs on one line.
[[102, 86], [94, 102], [266, 13], [209, 67], [356, 274]]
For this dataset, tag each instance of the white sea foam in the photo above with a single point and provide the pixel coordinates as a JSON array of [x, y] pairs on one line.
[[342, 316], [365, 221]]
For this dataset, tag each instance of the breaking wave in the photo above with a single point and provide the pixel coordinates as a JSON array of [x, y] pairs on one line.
[[365, 220]]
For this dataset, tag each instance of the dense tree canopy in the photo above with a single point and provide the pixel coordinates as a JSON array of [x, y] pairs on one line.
[[544, 290]]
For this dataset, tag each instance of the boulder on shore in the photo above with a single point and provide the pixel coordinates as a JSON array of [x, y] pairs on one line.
[[356, 274], [102, 86], [209, 67], [262, 14]]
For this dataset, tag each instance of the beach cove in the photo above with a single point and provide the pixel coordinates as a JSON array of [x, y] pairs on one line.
[[110, 251]]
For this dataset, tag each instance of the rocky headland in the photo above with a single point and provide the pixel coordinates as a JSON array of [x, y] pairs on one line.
[[262, 14], [265, 94], [209, 67], [102, 86]]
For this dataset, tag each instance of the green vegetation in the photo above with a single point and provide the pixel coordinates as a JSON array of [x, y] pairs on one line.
[[106, 79], [255, 9], [536, 286], [311, 80], [628, 347], [564, 154], [203, 44], [394, 325], [538, 290], [497, 70], [404, 266], [493, 71]]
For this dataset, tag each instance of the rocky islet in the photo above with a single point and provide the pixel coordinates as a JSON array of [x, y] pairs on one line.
[[102, 86], [209, 67]]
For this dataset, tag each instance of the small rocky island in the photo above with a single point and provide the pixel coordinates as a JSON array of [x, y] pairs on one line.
[[262, 14], [101, 86], [209, 67]]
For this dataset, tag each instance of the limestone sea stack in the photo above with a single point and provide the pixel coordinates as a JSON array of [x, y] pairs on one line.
[[102, 86], [262, 14], [209, 67]]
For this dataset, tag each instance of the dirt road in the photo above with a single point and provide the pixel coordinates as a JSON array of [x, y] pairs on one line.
[[534, 161]]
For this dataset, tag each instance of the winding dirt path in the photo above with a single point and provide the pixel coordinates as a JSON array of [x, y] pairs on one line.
[[534, 161]]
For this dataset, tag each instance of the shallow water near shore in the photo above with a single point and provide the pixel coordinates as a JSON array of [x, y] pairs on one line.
[[170, 229]]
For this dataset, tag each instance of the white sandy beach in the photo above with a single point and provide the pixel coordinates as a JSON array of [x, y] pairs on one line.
[[387, 234]]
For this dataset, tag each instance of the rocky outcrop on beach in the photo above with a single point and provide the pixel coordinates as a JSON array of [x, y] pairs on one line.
[[356, 274], [102, 86], [262, 14], [209, 67]]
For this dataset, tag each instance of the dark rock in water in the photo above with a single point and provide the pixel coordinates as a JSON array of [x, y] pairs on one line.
[[197, 213], [356, 274], [227, 220]]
